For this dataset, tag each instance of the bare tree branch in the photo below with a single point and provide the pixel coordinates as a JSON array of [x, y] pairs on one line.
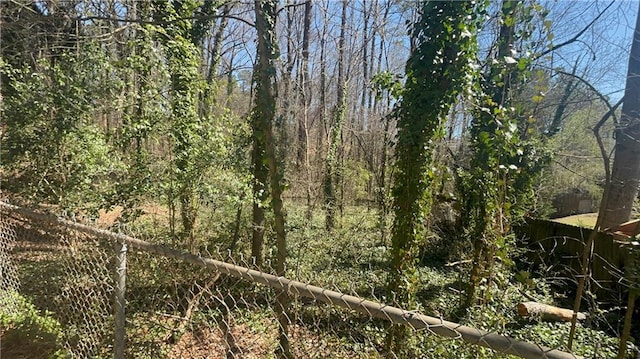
[[575, 37], [590, 86], [165, 22]]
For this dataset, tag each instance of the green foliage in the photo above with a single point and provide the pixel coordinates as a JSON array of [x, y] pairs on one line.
[[437, 72], [352, 260], [172, 153], [356, 261], [387, 83], [194, 139], [497, 187], [27, 331], [359, 177], [56, 153], [205, 16], [577, 161], [333, 168], [589, 343], [498, 315], [267, 173], [147, 77]]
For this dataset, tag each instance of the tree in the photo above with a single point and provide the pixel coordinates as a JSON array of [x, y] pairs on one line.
[[186, 131], [144, 118], [207, 99], [333, 171], [264, 113], [436, 74], [262, 116], [482, 197], [53, 86], [625, 174], [623, 179], [305, 97], [260, 192], [506, 157]]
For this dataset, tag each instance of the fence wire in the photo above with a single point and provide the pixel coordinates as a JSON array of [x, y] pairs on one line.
[[9, 279], [182, 305]]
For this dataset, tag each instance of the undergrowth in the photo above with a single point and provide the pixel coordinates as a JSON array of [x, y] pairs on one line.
[[26, 332], [352, 259]]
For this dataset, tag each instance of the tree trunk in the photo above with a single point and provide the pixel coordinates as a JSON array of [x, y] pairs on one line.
[[208, 94], [365, 74], [264, 114], [332, 177], [186, 139], [382, 191], [260, 169], [324, 126], [488, 228], [287, 111], [626, 331], [189, 214], [433, 84], [260, 194], [305, 89], [625, 175]]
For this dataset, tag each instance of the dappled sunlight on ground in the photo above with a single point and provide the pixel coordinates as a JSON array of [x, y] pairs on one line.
[[586, 220]]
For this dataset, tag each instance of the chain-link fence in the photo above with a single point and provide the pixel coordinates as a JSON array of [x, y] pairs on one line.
[[118, 296]]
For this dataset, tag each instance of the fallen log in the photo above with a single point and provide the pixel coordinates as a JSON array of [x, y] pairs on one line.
[[547, 312]]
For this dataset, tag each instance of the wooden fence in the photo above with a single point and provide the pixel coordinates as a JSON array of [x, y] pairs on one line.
[[560, 245]]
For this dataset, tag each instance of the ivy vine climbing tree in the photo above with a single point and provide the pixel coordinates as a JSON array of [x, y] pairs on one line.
[[437, 72], [187, 133], [144, 118], [506, 159], [389, 87], [263, 118], [333, 170]]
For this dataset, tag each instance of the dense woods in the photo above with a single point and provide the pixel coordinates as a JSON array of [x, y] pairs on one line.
[[452, 121]]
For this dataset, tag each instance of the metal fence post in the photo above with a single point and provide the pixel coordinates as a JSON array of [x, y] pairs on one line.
[[120, 301]]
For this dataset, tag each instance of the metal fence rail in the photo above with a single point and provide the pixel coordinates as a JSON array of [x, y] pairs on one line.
[[221, 304]]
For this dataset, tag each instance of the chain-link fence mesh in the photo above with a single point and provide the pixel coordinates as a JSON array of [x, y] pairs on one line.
[[9, 279], [62, 271], [182, 305]]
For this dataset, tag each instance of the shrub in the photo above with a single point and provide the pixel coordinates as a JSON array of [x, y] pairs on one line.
[[26, 331]]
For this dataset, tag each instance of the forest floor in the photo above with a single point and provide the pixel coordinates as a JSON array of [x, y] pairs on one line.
[[351, 259]]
